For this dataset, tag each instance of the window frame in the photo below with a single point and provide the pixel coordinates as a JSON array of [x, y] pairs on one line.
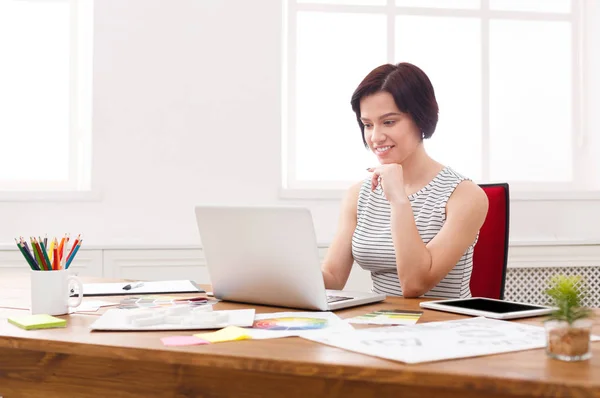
[[81, 183], [291, 188]]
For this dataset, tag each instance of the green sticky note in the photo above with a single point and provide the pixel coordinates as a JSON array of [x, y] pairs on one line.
[[40, 321]]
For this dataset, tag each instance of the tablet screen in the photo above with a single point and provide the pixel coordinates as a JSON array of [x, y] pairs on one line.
[[500, 307]]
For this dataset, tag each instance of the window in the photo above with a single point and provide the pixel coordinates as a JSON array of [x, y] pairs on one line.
[[45, 95], [507, 75]]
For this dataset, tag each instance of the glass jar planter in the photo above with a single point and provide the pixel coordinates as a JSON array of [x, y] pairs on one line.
[[568, 342]]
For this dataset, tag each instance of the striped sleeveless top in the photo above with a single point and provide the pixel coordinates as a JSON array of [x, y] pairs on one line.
[[373, 248]]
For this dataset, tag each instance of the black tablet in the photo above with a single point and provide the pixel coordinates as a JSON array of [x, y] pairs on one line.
[[489, 308]]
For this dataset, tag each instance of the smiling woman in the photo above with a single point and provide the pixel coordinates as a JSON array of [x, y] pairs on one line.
[[414, 222]]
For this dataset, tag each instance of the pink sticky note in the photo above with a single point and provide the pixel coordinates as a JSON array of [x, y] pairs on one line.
[[182, 341]]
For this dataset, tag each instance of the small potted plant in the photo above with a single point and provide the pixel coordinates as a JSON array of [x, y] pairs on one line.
[[568, 328]]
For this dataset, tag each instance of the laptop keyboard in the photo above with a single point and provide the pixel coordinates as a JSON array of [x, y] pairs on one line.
[[334, 299]]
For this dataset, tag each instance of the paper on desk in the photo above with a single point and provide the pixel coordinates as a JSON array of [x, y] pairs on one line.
[[118, 319], [91, 306], [388, 317], [230, 333], [435, 341], [287, 324], [147, 287]]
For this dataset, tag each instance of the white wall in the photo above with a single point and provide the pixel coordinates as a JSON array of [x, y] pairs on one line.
[[187, 110]]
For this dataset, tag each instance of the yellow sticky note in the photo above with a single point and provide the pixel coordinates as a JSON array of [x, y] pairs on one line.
[[40, 321], [230, 333]]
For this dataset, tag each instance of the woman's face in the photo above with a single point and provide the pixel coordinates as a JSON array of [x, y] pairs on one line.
[[390, 134]]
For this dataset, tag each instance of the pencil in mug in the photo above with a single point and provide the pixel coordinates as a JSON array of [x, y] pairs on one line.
[[22, 250], [39, 244], [74, 245], [41, 248], [74, 250], [45, 254], [61, 252], [61, 247], [29, 252], [35, 247], [55, 259], [51, 252], [32, 264], [36, 252], [53, 245]]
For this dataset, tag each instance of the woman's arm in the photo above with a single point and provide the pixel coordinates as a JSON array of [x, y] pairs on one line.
[[338, 261], [421, 267]]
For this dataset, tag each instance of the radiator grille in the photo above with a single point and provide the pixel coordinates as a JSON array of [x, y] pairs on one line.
[[528, 284]]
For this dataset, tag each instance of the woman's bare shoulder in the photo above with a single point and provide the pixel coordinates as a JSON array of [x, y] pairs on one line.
[[470, 195]]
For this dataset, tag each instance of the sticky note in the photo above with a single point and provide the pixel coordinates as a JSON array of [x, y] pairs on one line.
[[230, 333], [40, 321], [388, 317], [175, 341]]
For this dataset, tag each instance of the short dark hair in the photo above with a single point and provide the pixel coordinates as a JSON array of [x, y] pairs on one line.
[[412, 91]]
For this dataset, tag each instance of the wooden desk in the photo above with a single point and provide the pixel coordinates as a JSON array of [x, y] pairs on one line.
[[75, 362]]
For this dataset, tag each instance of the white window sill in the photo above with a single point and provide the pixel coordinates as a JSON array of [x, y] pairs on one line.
[[50, 196], [515, 196]]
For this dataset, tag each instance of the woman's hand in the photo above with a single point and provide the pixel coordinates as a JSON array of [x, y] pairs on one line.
[[391, 178]]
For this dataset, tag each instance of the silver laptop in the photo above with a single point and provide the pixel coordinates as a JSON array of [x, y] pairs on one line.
[[268, 255]]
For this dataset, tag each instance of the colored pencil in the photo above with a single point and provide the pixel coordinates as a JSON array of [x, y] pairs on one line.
[[56, 259], [46, 257], [32, 265], [61, 247], [74, 245], [26, 247], [51, 251], [35, 254], [40, 257], [72, 255], [38, 251], [43, 253], [29, 253], [30, 256]]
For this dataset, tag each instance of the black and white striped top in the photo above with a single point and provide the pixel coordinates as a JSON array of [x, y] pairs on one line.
[[373, 248]]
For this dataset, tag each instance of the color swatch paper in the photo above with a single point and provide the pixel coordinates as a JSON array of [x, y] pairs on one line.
[[290, 323], [287, 324], [178, 341], [230, 333], [162, 301], [388, 317], [40, 321]]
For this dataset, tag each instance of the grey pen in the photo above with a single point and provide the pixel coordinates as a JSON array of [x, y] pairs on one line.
[[129, 287]]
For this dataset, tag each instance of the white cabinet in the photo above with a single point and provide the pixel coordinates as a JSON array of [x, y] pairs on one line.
[[159, 264]]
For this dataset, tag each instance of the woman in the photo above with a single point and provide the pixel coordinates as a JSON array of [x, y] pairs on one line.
[[413, 223]]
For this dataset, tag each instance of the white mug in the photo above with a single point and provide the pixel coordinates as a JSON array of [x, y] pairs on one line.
[[50, 291]]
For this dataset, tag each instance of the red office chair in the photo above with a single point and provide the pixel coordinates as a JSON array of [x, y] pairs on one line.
[[491, 251]]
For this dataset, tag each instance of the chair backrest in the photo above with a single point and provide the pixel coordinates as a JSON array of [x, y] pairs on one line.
[[491, 251]]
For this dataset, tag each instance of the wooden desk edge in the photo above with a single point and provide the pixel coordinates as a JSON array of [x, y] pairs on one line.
[[411, 376]]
